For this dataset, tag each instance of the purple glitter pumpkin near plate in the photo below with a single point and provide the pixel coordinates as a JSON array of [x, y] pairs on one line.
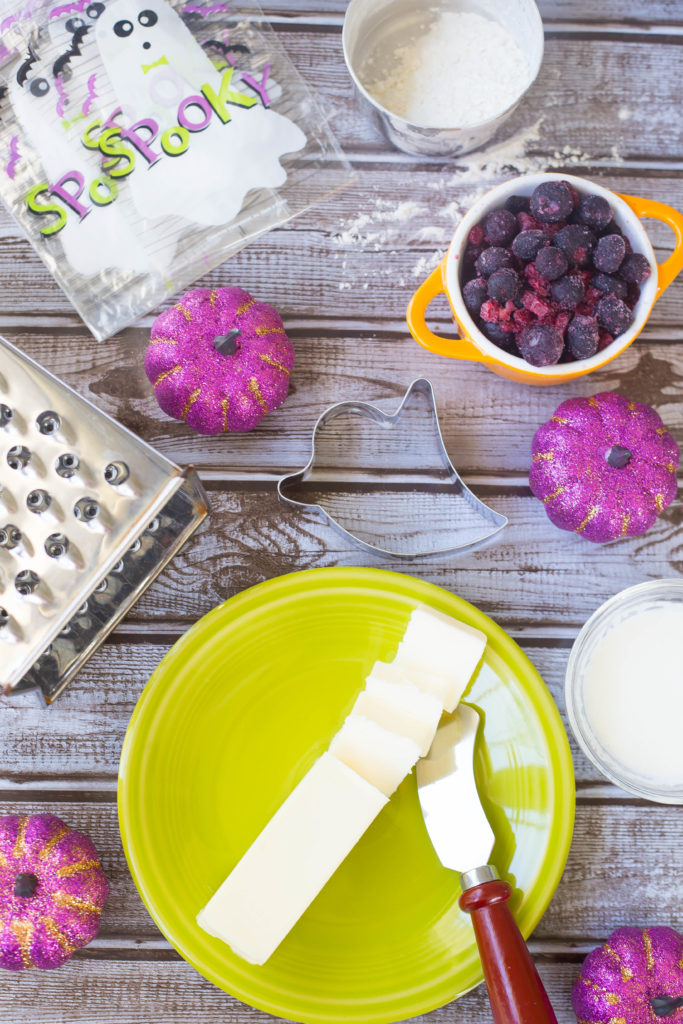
[[219, 360], [604, 467]]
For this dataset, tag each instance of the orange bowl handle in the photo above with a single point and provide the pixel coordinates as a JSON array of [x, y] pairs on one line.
[[671, 267], [456, 348]]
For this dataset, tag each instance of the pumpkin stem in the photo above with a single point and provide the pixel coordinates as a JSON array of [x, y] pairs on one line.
[[618, 457], [665, 1006], [25, 885], [226, 344]]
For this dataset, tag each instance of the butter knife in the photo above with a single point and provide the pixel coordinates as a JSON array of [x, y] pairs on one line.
[[463, 840]]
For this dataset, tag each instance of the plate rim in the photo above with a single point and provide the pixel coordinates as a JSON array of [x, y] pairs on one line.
[[497, 638]]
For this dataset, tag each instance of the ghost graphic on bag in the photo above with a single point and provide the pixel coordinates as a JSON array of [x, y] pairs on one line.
[[94, 236], [204, 144]]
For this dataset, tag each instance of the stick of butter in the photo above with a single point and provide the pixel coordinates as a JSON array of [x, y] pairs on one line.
[[437, 646], [400, 708], [379, 756], [288, 864]]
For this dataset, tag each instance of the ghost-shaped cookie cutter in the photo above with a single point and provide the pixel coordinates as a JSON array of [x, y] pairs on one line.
[[385, 480]]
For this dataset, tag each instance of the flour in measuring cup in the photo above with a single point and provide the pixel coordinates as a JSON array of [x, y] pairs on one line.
[[462, 69]]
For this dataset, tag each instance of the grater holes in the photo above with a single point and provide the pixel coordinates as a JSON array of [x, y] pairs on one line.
[[6, 414], [67, 465], [26, 581], [154, 525], [86, 509], [116, 473], [4, 617], [37, 501], [18, 456], [48, 422], [56, 545], [10, 536]]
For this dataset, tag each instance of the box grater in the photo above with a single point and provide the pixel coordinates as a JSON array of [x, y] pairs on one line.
[[89, 515]]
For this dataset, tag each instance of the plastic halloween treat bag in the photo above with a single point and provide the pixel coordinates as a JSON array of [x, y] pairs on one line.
[[143, 142]]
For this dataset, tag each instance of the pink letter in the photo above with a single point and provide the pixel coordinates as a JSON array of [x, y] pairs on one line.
[[70, 199], [259, 87], [184, 121], [140, 144]]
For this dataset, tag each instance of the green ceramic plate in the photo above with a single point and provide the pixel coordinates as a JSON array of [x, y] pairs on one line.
[[234, 716]]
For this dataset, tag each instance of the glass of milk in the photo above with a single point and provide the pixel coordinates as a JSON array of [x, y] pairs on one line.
[[624, 690]]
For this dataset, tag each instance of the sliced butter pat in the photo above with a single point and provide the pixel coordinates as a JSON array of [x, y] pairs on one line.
[[380, 756], [427, 682], [435, 645], [400, 708], [288, 864]]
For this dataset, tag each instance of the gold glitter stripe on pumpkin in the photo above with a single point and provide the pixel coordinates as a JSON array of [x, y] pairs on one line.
[[555, 494], [593, 401], [625, 524], [225, 405], [273, 362], [163, 341], [649, 955], [63, 899], [617, 1020], [23, 932], [245, 307], [19, 845], [612, 999], [543, 457], [661, 430], [212, 297], [659, 502], [167, 373], [631, 406], [59, 936], [269, 330], [591, 514], [256, 392], [590, 984], [72, 869], [189, 403], [559, 419], [626, 972], [670, 467], [186, 313], [52, 842]]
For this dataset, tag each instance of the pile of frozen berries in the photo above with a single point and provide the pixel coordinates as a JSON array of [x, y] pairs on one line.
[[550, 277]]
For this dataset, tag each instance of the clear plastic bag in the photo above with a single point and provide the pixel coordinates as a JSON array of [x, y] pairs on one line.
[[142, 143]]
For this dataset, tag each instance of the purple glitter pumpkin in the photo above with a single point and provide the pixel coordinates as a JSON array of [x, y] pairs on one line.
[[52, 890], [604, 467], [636, 977], [219, 360]]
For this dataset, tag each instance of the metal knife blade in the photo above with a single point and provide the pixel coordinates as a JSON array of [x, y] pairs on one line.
[[456, 822]]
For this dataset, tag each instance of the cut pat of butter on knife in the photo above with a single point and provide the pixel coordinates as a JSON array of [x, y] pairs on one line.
[[391, 724], [288, 864], [438, 647]]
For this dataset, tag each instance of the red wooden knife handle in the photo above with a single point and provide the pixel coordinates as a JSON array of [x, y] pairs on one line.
[[515, 990]]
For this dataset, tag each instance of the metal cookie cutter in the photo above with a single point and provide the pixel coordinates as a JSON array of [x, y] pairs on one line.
[[386, 481]]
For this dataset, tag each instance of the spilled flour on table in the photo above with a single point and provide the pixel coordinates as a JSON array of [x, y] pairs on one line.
[[389, 226]]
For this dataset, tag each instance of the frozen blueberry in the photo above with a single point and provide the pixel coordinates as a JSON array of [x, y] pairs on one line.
[[614, 315], [505, 286], [500, 227], [609, 253], [496, 334], [609, 285], [517, 204], [474, 293], [594, 211], [552, 201], [469, 259], [493, 259], [551, 263], [568, 291], [541, 345], [635, 268], [577, 242], [527, 244], [583, 336]]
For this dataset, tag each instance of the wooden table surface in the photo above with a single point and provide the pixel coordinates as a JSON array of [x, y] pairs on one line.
[[606, 105]]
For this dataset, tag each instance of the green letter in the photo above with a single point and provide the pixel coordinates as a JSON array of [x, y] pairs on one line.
[[226, 95], [41, 208]]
